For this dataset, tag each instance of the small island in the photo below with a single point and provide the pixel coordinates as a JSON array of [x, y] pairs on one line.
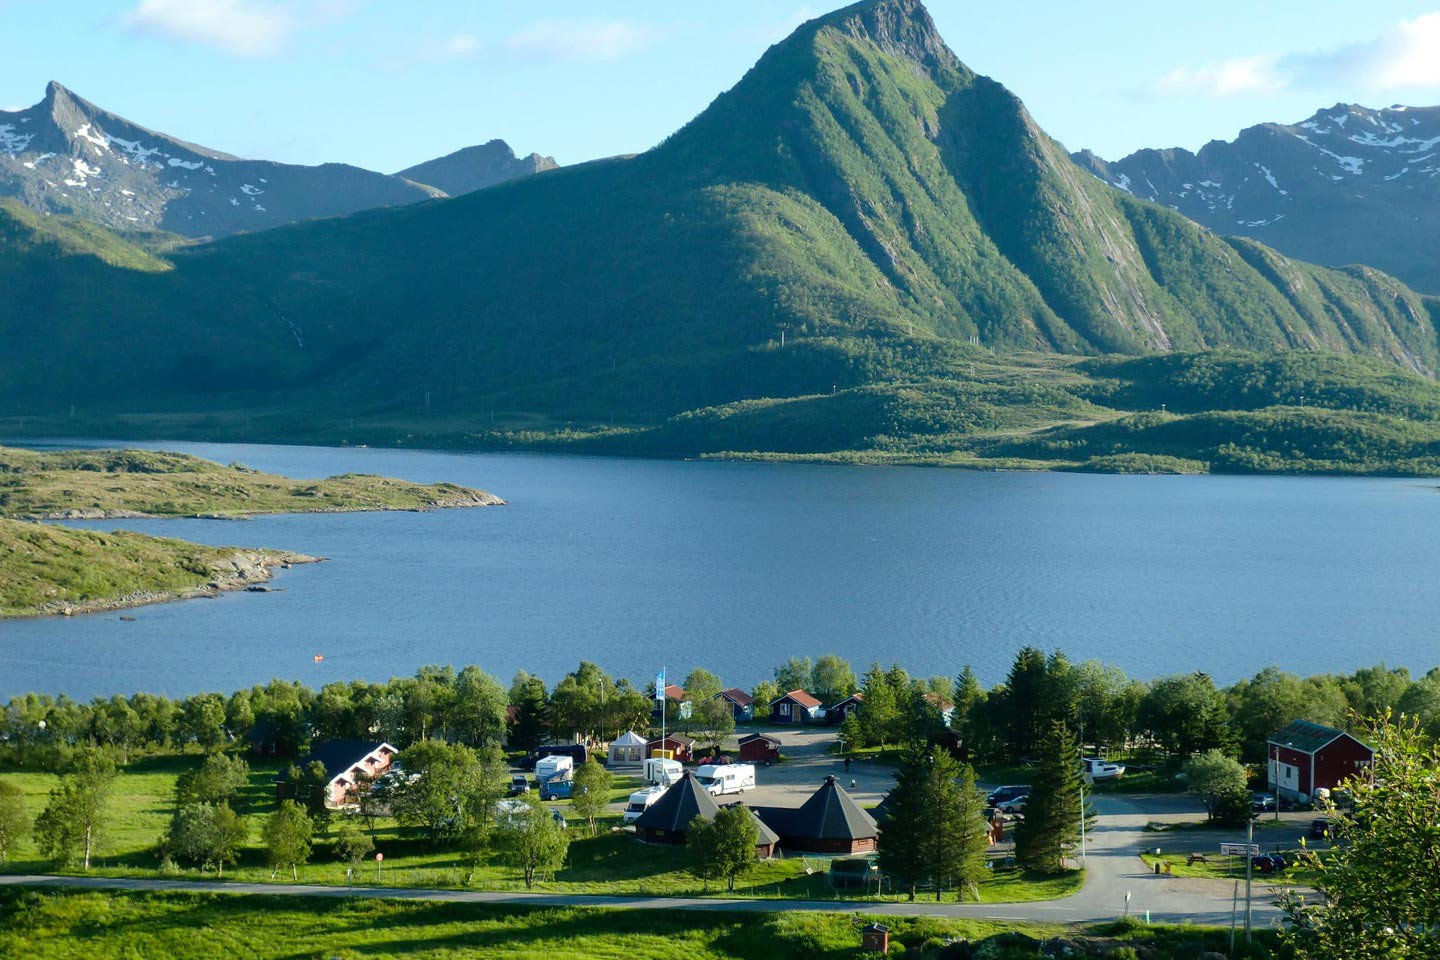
[[56, 570]]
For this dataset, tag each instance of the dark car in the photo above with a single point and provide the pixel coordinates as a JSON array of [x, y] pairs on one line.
[[1320, 829], [1269, 862], [1002, 795], [1262, 801], [519, 783]]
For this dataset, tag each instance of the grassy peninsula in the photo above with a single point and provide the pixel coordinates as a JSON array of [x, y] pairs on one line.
[[46, 569], [92, 484]]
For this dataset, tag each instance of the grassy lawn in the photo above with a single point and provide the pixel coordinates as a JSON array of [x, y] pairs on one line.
[[88, 925], [612, 862], [1226, 868]]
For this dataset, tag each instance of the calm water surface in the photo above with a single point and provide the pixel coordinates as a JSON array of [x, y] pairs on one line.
[[636, 563]]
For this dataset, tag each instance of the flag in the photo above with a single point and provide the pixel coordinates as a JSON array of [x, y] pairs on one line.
[[660, 684]]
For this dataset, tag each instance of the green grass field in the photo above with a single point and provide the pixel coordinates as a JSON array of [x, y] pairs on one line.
[[85, 925], [610, 863]]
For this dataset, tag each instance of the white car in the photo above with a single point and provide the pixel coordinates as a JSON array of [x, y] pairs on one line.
[[1014, 806]]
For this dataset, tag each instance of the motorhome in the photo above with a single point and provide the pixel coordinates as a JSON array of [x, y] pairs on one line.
[[661, 771], [721, 779], [640, 801], [549, 768]]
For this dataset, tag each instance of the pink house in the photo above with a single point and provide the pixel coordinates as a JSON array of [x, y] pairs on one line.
[[346, 763]]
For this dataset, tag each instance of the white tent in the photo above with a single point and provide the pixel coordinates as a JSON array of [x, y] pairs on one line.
[[628, 748]]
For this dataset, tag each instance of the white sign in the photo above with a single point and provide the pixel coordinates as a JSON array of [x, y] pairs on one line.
[[1240, 849], [379, 858]]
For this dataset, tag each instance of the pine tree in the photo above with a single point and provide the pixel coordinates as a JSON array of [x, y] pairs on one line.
[[902, 843], [958, 835], [1025, 691], [880, 710], [1052, 812], [968, 695]]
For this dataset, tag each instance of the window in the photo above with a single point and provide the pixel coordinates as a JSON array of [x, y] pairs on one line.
[[785, 709]]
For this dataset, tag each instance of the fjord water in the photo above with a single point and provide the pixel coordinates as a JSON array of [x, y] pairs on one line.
[[638, 564]]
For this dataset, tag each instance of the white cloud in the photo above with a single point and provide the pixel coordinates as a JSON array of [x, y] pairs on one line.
[[1225, 78], [241, 28], [587, 41], [1405, 56]]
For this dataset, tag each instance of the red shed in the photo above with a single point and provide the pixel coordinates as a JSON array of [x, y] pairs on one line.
[[680, 747], [1305, 757], [759, 748]]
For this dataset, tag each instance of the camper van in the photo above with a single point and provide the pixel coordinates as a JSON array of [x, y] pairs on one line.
[[549, 768], [726, 778], [640, 801], [558, 788], [660, 771]]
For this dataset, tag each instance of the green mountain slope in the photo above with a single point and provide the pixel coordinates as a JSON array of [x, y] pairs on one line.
[[861, 212]]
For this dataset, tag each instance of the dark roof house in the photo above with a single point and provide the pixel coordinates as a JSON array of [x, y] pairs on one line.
[[829, 822], [667, 819], [742, 705], [1305, 757], [346, 763]]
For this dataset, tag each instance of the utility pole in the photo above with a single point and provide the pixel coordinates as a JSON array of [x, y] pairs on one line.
[[1234, 909], [1249, 870]]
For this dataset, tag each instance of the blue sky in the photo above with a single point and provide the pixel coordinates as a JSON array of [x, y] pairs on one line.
[[386, 84]]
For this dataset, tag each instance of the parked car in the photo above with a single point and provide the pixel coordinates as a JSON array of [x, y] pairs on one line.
[[1000, 795], [1320, 828], [519, 783], [1014, 806], [1269, 862], [557, 788], [1262, 801]]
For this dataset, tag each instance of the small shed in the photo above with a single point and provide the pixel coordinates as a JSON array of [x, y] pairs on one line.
[[667, 819], [759, 748], [1305, 757], [875, 938], [829, 822], [741, 704], [844, 708], [677, 746], [796, 707], [627, 750]]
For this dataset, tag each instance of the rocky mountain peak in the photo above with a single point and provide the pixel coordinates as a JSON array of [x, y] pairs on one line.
[[901, 28]]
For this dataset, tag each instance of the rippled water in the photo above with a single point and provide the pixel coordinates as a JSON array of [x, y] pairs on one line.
[[636, 563]]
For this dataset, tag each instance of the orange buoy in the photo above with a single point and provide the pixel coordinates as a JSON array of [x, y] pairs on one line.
[[319, 657]]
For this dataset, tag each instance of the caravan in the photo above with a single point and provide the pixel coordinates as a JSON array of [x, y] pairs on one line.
[[662, 771], [640, 801], [553, 767], [720, 779]]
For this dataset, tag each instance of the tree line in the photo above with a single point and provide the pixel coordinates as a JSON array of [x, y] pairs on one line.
[[1181, 715]]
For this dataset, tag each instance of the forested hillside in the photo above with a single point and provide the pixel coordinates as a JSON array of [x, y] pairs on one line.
[[861, 218]]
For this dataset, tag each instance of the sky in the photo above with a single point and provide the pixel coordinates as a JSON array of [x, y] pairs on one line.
[[385, 85]]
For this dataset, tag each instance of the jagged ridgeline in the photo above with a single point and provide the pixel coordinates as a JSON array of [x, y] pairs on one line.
[[861, 218]]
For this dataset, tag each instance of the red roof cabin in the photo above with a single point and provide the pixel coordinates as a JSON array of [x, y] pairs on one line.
[[741, 704], [1306, 757], [797, 706], [759, 748]]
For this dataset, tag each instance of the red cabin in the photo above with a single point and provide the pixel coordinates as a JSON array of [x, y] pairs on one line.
[[1305, 757]]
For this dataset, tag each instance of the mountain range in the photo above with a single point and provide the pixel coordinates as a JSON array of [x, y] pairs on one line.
[[66, 155], [863, 249], [477, 167], [1349, 185]]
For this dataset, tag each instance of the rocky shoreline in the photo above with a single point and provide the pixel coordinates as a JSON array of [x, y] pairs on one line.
[[241, 570]]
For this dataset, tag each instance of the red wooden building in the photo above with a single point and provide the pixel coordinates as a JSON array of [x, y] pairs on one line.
[[1305, 757], [759, 748], [679, 747]]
